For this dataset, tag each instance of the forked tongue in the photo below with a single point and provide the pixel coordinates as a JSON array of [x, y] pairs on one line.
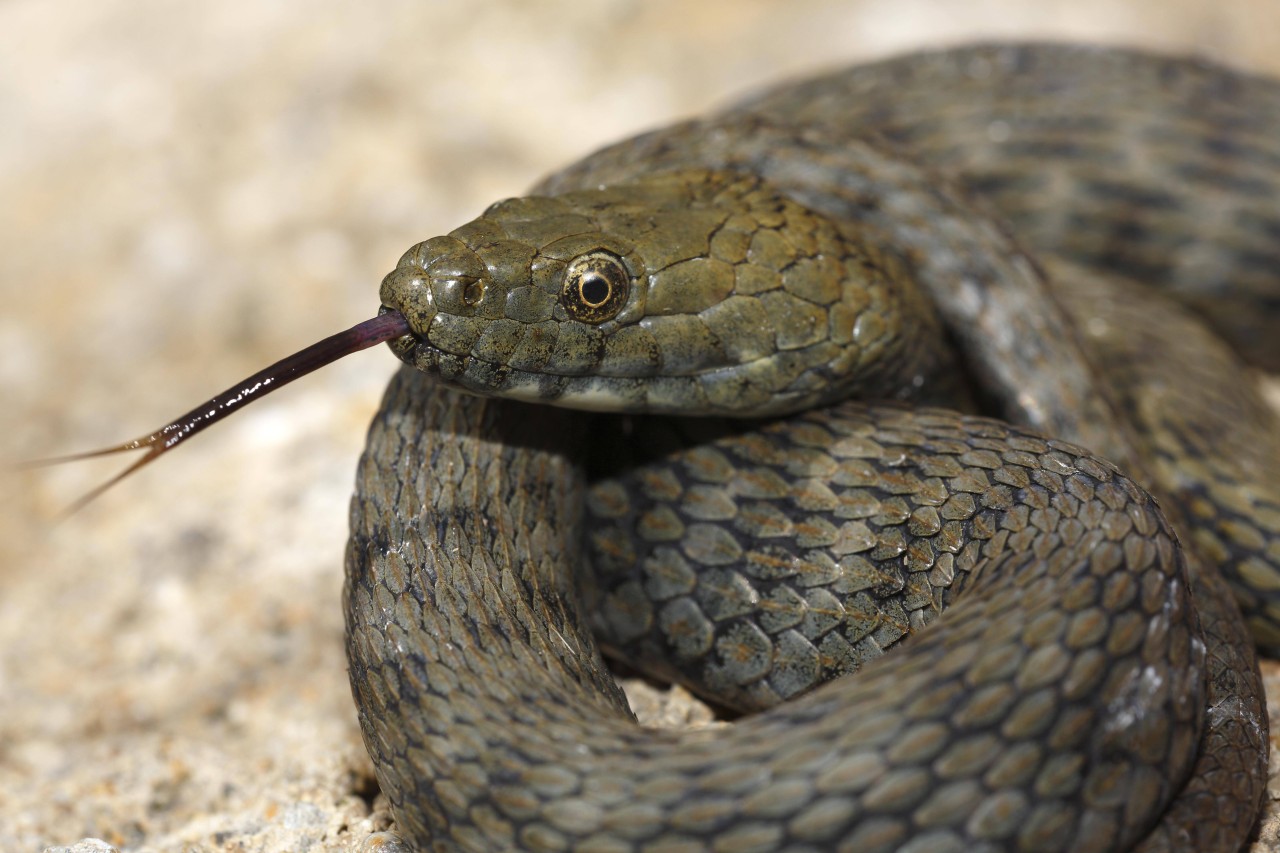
[[380, 329]]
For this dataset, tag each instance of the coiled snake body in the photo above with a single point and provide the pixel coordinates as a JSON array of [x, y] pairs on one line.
[[1091, 686]]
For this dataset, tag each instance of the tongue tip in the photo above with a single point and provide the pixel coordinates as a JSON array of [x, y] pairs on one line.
[[387, 326]]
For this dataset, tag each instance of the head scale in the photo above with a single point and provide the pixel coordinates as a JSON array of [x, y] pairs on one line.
[[691, 292]]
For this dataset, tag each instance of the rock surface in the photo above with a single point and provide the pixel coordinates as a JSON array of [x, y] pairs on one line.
[[194, 190]]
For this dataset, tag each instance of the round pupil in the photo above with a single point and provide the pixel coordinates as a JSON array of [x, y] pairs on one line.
[[594, 288]]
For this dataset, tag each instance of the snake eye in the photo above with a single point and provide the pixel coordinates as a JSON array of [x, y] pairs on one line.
[[595, 287]]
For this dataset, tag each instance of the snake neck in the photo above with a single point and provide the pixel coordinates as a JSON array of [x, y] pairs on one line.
[[475, 528]]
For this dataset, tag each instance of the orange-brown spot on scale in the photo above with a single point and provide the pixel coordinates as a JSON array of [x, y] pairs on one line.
[[738, 652], [836, 612], [681, 629], [610, 547], [810, 531], [896, 481], [756, 558]]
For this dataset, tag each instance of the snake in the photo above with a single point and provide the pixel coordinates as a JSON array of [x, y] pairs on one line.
[[902, 412]]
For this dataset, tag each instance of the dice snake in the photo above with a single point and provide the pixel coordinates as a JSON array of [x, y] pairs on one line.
[[775, 342], [842, 238]]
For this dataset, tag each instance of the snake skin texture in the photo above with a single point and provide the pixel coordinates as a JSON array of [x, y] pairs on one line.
[[951, 632]]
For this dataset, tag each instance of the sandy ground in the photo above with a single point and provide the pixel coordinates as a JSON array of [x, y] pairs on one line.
[[190, 191]]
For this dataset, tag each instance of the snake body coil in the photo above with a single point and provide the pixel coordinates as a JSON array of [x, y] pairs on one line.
[[1090, 687]]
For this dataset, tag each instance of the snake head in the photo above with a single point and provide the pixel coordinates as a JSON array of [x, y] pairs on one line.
[[520, 300], [692, 291]]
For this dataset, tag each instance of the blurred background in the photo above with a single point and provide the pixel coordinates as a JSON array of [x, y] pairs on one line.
[[191, 191]]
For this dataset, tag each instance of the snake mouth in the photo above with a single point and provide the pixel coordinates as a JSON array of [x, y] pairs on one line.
[[469, 372], [406, 341], [476, 375]]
